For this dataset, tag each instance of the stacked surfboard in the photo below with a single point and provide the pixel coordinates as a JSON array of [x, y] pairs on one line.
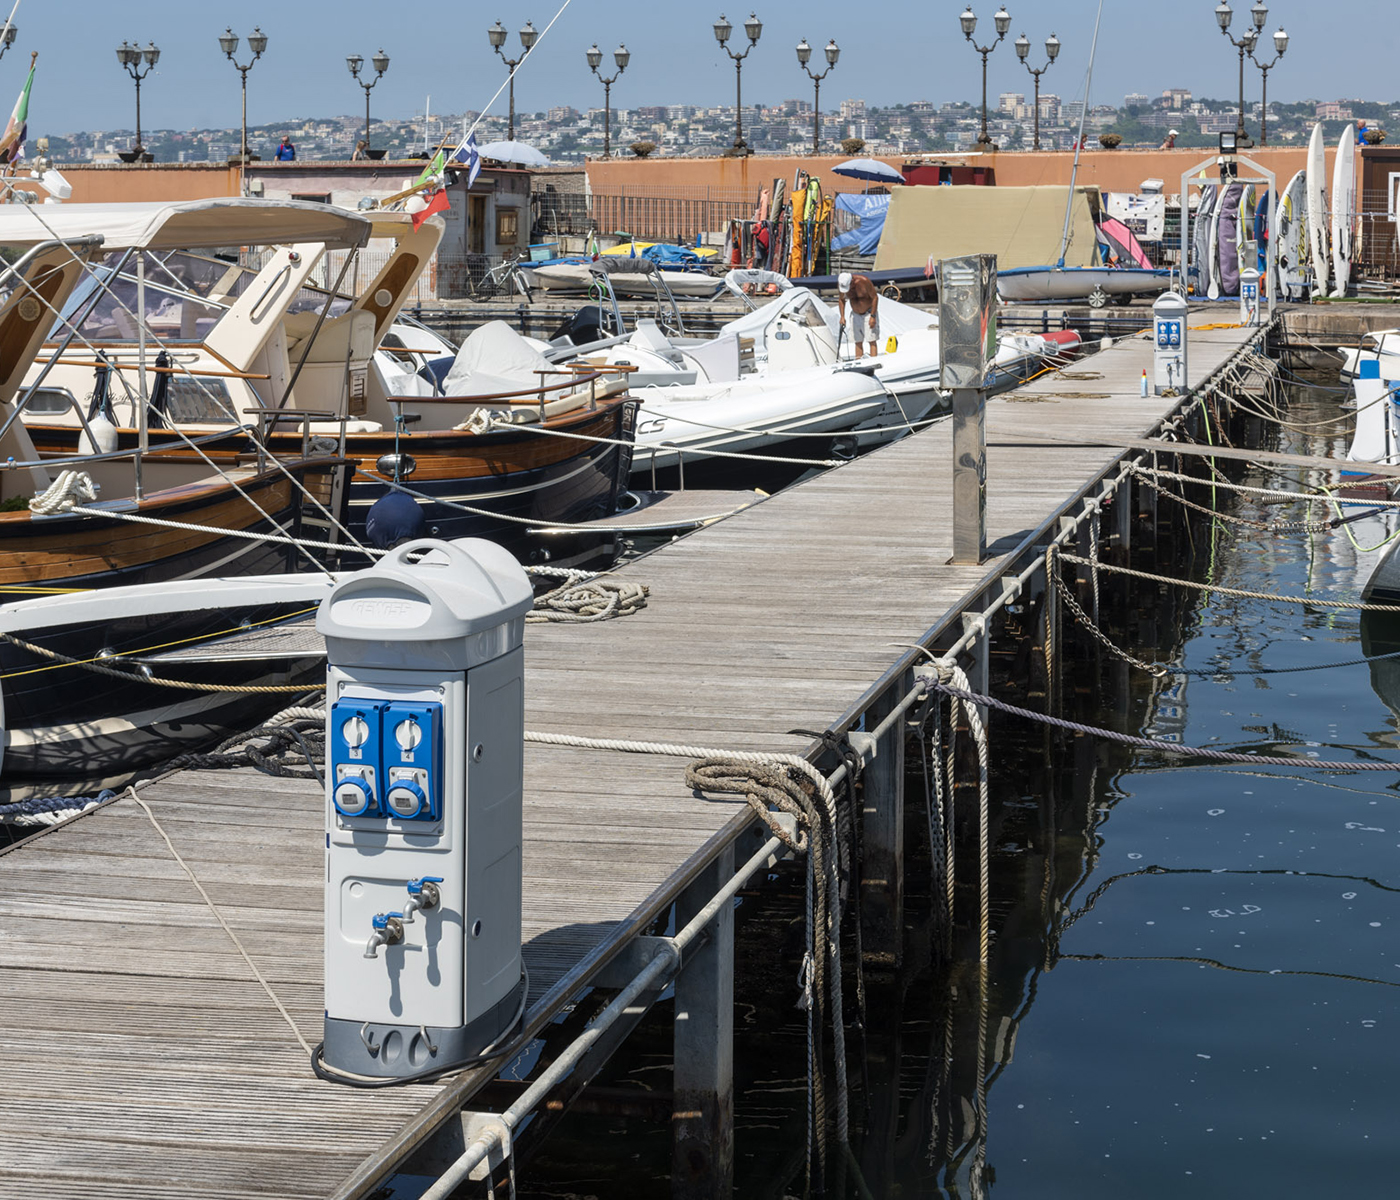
[[1314, 229]]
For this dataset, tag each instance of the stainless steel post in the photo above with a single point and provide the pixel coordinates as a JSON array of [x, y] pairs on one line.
[[969, 475], [967, 299], [702, 1121]]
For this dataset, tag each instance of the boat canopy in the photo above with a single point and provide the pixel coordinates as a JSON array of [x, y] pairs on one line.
[[226, 221]]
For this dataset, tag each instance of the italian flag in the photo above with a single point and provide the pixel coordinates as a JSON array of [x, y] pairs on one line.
[[12, 143]]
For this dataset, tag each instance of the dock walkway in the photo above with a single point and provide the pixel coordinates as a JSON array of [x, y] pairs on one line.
[[142, 1058]]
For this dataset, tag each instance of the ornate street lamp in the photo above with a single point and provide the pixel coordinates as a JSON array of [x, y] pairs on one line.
[[257, 43], [1002, 19], [1281, 46], [1245, 43], [1052, 51], [528, 36], [621, 56], [380, 63], [8, 33], [804, 55], [753, 27], [131, 58]]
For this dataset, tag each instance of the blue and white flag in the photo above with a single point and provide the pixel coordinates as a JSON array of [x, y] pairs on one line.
[[467, 153]]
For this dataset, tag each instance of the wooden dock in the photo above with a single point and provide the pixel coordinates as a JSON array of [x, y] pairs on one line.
[[142, 1056]]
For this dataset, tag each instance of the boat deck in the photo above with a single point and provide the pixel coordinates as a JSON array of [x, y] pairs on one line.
[[144, 1058]]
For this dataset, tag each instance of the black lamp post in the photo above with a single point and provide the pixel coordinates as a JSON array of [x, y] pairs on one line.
[[622, 56], [1052, 51], [131, 58], [1245, 43], [380, 63], [753, 27], [257, 43], [528, 36], [1281, 45], [804, 55], [7, 37], [1002, 18]]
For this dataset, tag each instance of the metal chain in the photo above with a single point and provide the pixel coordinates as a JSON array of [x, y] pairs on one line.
[[1154, 669]]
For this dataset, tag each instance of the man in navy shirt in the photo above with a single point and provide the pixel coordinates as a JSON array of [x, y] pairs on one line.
[[286, 152]]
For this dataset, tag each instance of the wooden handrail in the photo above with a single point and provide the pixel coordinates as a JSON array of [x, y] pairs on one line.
[[121, 366], [525, 396], [475, 400]]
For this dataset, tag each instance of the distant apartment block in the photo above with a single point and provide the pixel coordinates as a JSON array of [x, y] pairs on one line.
[[1176, 98], [1136, 100], [1334, 110], [1008, 101], [853, 110]]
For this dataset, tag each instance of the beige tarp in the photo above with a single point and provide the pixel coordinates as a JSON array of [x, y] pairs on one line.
[[1022, 226]]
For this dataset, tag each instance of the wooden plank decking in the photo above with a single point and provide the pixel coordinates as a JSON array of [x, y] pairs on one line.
[[141, 1056]]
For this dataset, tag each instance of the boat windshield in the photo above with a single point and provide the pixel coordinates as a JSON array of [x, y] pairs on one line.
[[187, 292]]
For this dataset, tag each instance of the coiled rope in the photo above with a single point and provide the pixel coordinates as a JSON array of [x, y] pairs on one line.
[[69, 490], [584, 597]]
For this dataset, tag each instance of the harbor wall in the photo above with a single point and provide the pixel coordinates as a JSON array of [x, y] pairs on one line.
[[1110, 170]]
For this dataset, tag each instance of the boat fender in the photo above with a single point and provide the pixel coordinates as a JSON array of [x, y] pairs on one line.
[[104, 434], [891, 344]]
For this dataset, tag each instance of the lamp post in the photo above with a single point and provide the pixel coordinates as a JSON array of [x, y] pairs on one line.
[[257, 43], [380, 63], [1245, 43], [804, 54], [1002, 18], [1281, 45], [1052, 50], [131, 57], [7, 37], [622, 56], [528, 36], [753, 27]]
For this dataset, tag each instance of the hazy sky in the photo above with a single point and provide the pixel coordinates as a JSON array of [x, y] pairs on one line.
[[891, 51]]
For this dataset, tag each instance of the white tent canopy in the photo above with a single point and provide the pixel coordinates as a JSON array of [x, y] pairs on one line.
[[230, 221]]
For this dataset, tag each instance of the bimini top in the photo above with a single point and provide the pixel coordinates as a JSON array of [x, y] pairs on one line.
[[185, 224]]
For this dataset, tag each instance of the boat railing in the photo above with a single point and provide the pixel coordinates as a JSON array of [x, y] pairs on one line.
[[135, 452], [580, 374]]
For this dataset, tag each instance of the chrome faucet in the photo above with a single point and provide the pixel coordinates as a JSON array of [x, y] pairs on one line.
[[423, 896], [388, 931]]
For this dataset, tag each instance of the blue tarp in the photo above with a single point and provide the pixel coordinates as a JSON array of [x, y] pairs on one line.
[[671, 256], [871, 212]]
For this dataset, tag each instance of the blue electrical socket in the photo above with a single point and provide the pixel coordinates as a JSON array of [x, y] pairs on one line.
[[412, 761]]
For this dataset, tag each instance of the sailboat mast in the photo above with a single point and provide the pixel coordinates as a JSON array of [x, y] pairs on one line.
[[1079, 140]]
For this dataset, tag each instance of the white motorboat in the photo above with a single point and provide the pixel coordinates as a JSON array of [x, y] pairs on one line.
[[786, 372], [629, 277], [1374, 345]]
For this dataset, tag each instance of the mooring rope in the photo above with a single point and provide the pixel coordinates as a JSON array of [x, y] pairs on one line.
[[1178, 748], [1220, 589], [218, 916]]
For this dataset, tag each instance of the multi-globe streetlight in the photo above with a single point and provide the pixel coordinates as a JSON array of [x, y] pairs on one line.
[[753, 27], [804, 55]]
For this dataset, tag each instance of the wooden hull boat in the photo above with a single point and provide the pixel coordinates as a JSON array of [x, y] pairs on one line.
[[514, 477], [84, 594]]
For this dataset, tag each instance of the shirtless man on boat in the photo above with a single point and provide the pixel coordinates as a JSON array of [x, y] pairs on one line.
[[865, 309]]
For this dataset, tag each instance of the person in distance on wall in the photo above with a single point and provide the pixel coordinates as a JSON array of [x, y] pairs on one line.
[[286, 152], [864, 299], [360, 147], [1169, 142]]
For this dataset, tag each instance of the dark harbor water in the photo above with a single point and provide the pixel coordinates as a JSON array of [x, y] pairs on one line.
[[1194, 981]]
